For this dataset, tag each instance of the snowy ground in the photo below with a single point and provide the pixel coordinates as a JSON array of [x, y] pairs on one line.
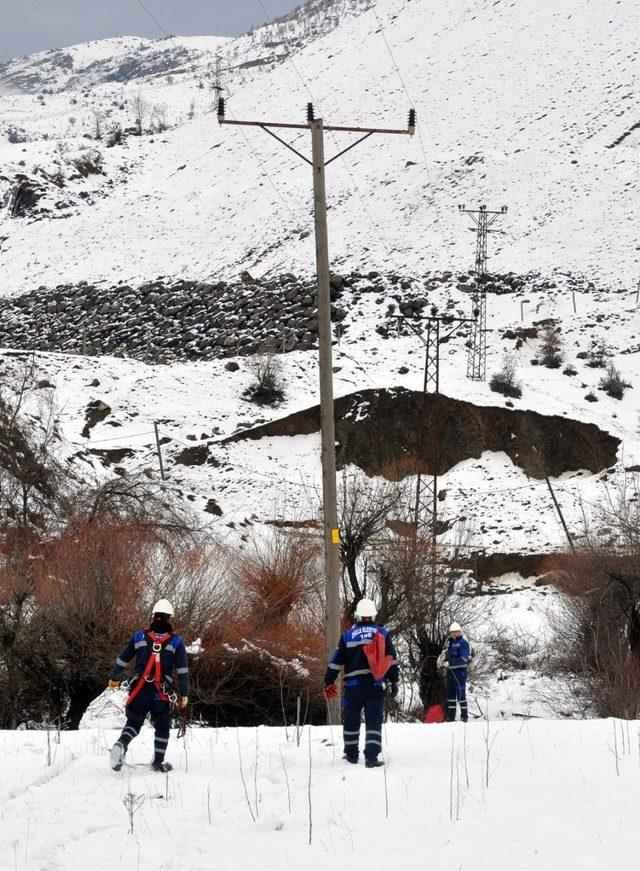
[[257, 480], [554, 800]]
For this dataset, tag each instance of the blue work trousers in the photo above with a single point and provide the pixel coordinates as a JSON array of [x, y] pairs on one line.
[[457, 693], [370, 699]]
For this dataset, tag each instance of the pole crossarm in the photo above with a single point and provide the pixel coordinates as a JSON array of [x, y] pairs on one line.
[[269, 126], [330, 128], [286, 144], [446, 320]]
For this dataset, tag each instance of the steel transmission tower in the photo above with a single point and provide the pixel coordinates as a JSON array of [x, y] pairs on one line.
[[477, 356], [425, 517]]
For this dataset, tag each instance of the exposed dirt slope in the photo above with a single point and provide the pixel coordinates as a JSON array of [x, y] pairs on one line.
[[380, 432]]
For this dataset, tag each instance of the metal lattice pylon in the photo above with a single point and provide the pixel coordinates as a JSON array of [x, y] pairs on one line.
[[477, 354], [426, 502]]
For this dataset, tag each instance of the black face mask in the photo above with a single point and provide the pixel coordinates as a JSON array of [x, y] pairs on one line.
[[160, 624]]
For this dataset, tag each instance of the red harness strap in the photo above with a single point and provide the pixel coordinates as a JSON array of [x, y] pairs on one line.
[[153, 665]]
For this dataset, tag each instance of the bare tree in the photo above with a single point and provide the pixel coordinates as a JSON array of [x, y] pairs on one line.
[[422, 588], [366, 506], [505, 381], [597, 630], [140, 112], [551, 354], [159, 117], [97, 123]]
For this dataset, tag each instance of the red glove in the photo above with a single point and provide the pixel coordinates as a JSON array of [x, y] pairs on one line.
[[331, 691]]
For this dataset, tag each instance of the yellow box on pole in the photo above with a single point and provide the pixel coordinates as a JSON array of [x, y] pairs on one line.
[[335, 536]]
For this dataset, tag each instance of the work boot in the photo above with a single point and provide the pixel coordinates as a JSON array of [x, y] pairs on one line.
[[162, 767], [116, 755], [374, 763], [352, 759]]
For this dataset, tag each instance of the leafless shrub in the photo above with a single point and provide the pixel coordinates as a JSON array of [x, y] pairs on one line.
[[598, 354], [114, 135], [269, 648], [88, 163], [515, 651], [551, 354], [596, 647], [505, 381], [612, 383], [267, 387]]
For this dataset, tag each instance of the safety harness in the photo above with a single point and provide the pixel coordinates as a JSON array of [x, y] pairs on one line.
[[153, 669]]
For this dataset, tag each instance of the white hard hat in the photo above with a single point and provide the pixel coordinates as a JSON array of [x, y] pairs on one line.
[[366, 608], [162, 606], [455, 627]]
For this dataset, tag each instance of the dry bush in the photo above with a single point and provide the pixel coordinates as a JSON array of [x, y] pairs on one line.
[[269, 648], [597, 629], [276, 574], [505, 381], [516, 651], [267, 387], [612, 383]]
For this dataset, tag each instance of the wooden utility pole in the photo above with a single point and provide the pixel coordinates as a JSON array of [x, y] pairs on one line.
[[560, 515], [328, 436], [327, 421], [159, 449]]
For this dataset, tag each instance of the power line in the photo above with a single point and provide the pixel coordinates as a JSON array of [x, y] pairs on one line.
[[154, 19], [264, 170], [244, 136], [305, 85], [420, 139], [122, 438]]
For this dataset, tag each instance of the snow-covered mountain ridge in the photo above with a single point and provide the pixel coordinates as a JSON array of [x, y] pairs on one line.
[[514, 106]]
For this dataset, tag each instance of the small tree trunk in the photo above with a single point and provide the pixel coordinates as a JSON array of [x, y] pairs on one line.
[[81, 694]]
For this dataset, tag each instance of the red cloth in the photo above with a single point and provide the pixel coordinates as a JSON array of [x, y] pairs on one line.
[[331, 691], [379, 662], [435, 714]]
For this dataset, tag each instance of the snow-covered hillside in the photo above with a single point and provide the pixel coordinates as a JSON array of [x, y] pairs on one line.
[[556, 798], [529, 105], [516, 104]]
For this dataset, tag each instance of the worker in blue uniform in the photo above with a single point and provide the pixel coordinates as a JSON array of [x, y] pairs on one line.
[[455, 658], [368, 657]]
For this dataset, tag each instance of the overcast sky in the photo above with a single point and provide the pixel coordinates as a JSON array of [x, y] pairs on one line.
[[32, 25]]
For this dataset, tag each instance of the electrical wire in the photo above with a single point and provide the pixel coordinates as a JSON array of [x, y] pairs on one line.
[[154, 19], [386, 242], [422, 146], [123, 438], [244, 135]]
